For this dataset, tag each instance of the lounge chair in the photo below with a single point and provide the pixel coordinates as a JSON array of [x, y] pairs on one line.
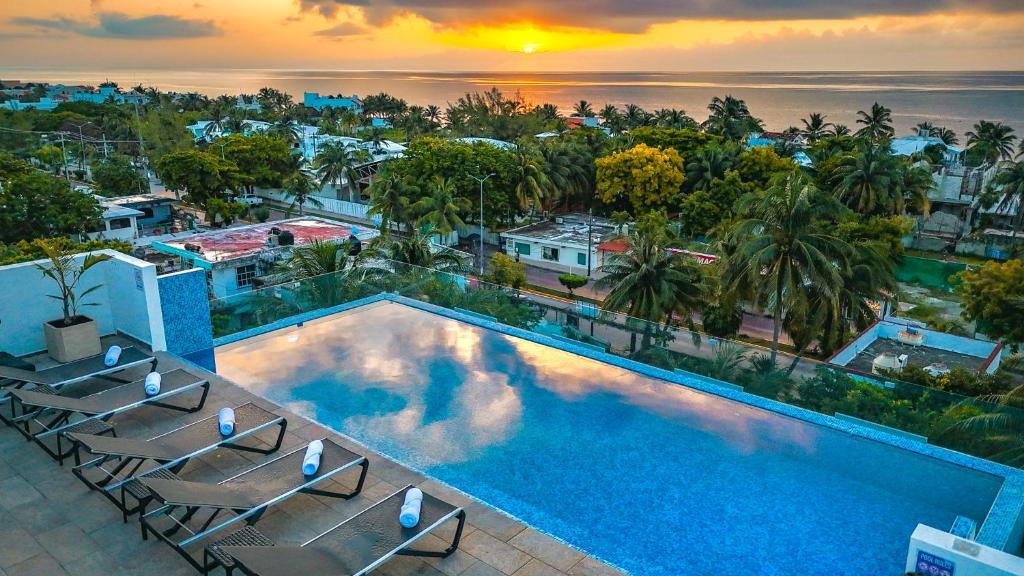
[[355, 547], [71, 372], [248, 495], [41, 413], [170, 451]]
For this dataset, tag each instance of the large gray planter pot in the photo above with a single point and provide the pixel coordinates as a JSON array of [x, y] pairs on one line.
[[70, 343]]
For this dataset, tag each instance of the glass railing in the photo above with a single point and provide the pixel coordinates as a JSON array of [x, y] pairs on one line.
[[943, 418]]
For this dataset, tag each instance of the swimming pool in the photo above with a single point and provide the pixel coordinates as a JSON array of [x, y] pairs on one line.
[[658, 478]]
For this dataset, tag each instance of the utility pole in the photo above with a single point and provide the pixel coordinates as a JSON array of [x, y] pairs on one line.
[[64, 159], [481, 180], [590, 238]]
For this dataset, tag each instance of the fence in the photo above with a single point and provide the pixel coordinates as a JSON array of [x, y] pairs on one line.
[[331, 205]]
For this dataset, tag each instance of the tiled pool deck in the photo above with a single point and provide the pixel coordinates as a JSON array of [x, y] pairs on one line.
[[53, 525]]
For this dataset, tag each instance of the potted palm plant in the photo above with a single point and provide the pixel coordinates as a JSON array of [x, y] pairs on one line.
[[74, 336]]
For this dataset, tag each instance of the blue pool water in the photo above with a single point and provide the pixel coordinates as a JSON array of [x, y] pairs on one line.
[[655, 477]]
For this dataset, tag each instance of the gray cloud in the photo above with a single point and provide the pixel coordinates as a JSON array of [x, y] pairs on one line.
[[636, 15], [117, 25]]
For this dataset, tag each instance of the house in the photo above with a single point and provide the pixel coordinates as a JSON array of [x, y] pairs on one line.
[[567, 243], [44, 104], [235, 259], [911, 145], [155, 211], [248, 102], [493, 142], [119, 222], [317, 102], [110, 93]]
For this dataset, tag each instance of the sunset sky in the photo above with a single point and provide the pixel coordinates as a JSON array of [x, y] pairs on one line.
[[671, 35]]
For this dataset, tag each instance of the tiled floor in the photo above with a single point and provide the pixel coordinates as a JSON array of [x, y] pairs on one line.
[[53, 525]]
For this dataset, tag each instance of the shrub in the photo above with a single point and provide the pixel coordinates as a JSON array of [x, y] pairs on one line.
[[572, 281]]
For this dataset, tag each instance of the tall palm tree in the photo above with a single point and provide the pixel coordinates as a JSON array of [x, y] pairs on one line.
[[583, 108], [634, 116], [302, 190], [867, 180], [529, 182], [877, 122], [287, 130], [566, 170], [433, 115], [730, 118], [815, 127], [336, 163], [916, 182], [779, 250], [992, 141], [672, 118], [1006, 193], [650, 282], [711, 163], [389, 199], [947, 136], [611, 118], [441, 209], [840, 130]]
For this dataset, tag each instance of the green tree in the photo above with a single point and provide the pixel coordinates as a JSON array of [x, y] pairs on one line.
[[316, 259], [583, 108], [642, 178], [36, 205], [117, 176], [441, 210], [687, 141], [505, 271], [994, 294], [867, 180], [707, 165], [877, 122], [990, 141], [759, 166], [815, 127], [389, 199], [416, 249], [529, 180], [220, 212], [302, 190], [703, 210], [262, 160], [730, 118], [337, 163], [199, 175], [648, 281], [49, 156], [572, 281], [780, 249], [1007, 191]]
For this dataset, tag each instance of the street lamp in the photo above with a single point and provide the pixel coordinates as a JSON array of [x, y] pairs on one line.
[[481, 180]]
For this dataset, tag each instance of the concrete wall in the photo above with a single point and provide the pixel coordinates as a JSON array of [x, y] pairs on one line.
[[567, 255], [127, 301], [932, 339], [939, 553]]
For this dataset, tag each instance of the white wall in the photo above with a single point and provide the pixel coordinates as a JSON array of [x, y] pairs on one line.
[[567, 255], [121, 304], [968, 558]]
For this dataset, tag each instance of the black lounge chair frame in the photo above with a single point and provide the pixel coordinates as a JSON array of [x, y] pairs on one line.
[[249, 514], [128, 464], [58, 414]]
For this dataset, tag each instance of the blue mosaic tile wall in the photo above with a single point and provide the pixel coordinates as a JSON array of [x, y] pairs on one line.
[[186, 311]]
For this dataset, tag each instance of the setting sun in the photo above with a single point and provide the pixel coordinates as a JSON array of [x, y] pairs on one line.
[[529, 38], [531, 48]]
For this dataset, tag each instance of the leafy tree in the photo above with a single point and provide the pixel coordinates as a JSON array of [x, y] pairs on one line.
[[990, 141], [572, 281], [709, 164], [164, 132], [1006, 191], [36, 205], [687, 141], [441, 210], [530, 182], [673, 118], [199, 175], [416, 249], [877, 122], [994, 294], [759, 166], [261, 214], [642, 177], [49, 156], [868, 179], [389, 199], [704, 210], [583, 108], [505, 271], [10, 166], [337, 162], [316, 259], [570, 171], [262, 160], [224, 213], [117, 176], [780, 249], [302, 190]]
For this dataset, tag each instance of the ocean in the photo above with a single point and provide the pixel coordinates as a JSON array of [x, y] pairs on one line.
[[952, 99]]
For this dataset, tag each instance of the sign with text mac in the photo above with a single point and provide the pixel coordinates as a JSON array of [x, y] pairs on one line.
[[929, 564]]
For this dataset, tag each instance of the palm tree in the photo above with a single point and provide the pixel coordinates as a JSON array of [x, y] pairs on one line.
[[947, 136], [1006, 421], [289, 131], [991, 141], [779, 250], [916, 182], [337, 162], [566, 170], [840, 130], [389, 199], [611, 118], [925, 128], [433, 115], [301, 189], [634, 116], [711, 163], [317, 258], [650, 282], [442, 208], [1006, 193], [815, 127], [529, 182], [672, 118], [866, 180], [731, 119], [415, 250], [583, 108], [877, 122]]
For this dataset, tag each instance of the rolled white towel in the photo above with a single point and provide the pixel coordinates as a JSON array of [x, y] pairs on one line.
[[113, 355], [410, 514], [311, 462], [226, 421], [153, 383]]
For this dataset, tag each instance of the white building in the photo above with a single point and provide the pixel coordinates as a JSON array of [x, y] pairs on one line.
[[566, 243], [119, 222]]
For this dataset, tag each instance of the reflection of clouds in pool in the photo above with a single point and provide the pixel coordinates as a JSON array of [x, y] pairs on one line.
[[748, 429]]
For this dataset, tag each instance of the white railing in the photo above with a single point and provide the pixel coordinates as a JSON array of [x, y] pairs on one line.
[[332, 205]]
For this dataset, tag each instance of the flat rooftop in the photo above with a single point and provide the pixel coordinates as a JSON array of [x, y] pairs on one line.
[[568, 229], [140, 199], [244, 241], [919, 356]]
